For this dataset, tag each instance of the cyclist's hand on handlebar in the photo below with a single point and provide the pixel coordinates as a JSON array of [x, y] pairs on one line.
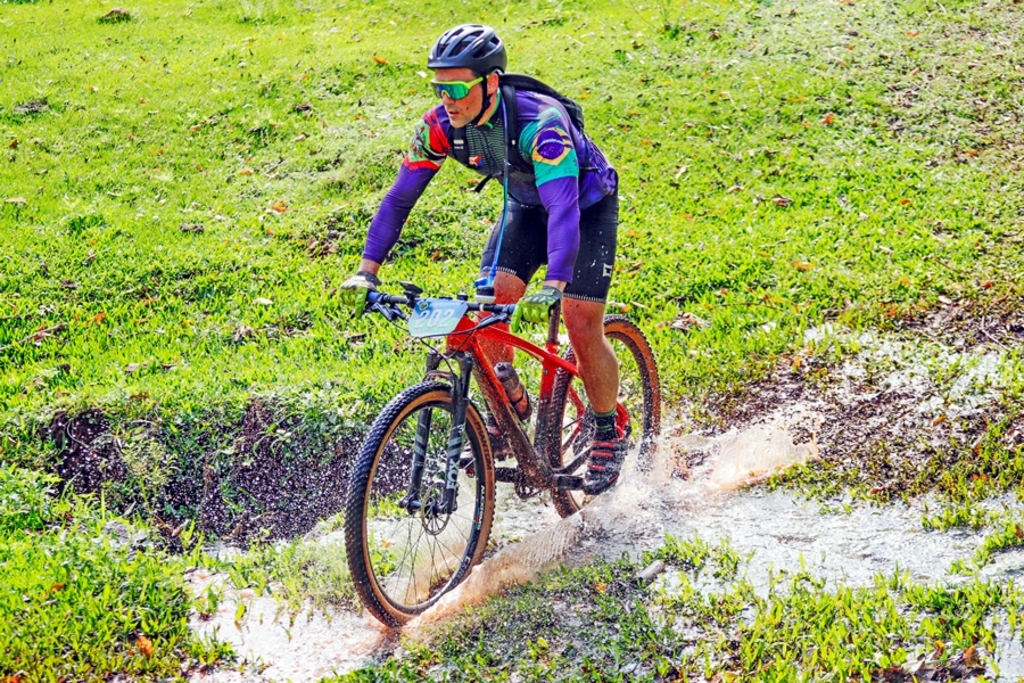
[[536, 307], [354, 290]]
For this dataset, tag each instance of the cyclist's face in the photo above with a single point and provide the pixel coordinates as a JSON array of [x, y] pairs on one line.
[[462, 111]]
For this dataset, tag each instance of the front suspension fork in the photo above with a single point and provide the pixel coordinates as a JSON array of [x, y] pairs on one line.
[[456, 437]]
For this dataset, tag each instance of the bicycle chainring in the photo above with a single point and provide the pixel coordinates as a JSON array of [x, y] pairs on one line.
[[524, 491]]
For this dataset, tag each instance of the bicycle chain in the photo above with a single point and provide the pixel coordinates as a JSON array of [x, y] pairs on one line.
[[522, 490]]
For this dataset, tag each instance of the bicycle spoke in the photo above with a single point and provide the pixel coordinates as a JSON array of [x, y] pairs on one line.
[[403, 557], [639, 394]]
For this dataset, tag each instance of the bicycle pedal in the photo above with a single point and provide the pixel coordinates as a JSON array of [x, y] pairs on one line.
[[565, 482], [506, 475]]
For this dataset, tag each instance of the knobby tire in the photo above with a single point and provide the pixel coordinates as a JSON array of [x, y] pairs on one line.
[[401, 563], [574, 425]]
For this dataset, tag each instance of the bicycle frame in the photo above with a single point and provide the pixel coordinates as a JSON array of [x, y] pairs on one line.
[[468, 337], [466, 344], [422, 493]]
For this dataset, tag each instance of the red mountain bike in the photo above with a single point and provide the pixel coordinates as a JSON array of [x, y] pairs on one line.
[[421, 495]]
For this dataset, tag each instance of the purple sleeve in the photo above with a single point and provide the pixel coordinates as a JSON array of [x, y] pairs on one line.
[[561, 199], [386, 226]]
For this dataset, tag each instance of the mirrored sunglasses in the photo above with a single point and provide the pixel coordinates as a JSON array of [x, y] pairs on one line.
[[454, 89]]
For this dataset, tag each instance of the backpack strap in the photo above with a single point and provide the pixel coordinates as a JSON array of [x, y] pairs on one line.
[[513, 155], [459, 149], [457, 141]]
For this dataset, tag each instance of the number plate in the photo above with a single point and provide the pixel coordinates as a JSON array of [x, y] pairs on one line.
[[436, 317]]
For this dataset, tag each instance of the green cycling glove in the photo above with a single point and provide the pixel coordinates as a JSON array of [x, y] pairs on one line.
[[535, 308], [354, 290]]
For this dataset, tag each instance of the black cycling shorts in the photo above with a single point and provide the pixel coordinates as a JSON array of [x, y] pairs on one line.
[[525, 247]]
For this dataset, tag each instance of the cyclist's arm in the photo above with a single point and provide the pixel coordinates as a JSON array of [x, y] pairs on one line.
[[556, 171], [386, 226], [427, 151], [561, 199]]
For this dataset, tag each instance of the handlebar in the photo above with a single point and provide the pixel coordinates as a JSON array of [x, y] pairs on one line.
[[390, 306], [376, 300]]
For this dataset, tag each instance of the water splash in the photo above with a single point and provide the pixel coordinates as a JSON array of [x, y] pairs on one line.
[[278, 643], [747, 456], [633, 516], [779, 530], [692, 489]]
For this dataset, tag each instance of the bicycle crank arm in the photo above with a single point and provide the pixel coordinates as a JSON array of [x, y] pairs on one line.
[[561, 482], [506, 475], [566, 482], [573, 465]]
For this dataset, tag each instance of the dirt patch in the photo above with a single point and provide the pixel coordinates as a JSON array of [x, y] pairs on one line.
[[915, 404], [288, 480], [89, 455], [32, 107], [278, 479], [968, 324]]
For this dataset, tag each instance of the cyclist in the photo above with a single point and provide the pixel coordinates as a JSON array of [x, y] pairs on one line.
[[563, 213]]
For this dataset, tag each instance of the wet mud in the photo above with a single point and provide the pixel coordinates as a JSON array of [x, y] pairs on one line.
[[269, 476], [875, 418], [914, 400]]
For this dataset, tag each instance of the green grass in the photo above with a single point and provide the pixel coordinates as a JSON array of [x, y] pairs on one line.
[[307, 569], [87, 596], [708, 622], [185, 186], [219, 115]]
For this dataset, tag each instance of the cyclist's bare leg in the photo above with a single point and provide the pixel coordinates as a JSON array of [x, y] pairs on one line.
[[507, 290], [595, 357]]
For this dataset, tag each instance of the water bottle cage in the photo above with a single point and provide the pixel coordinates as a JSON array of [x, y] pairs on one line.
[[522, 406]]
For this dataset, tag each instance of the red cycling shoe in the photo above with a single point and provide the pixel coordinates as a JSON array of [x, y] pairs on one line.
[[604, 463]]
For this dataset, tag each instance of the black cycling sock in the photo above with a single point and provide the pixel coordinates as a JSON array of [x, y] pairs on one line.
[[605, 425]]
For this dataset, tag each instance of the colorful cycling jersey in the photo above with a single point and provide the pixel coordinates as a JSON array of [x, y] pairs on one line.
[[568, 173]]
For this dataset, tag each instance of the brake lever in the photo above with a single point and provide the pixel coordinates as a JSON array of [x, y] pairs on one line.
[[495, 319], [391, 313]]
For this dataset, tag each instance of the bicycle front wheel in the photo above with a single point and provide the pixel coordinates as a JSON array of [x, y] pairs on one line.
[[403, 556], [639, 395]]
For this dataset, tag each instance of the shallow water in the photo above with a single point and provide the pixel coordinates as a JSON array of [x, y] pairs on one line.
[[779, 531], [279, 644]]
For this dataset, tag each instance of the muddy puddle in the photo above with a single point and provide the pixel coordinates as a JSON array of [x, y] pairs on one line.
[[698, 487], [778, 531]]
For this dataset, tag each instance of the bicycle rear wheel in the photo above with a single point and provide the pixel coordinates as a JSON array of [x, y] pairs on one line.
[[402, 559], [639, 394]]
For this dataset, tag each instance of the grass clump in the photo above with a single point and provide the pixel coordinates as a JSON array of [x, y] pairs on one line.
[[86, 595], [310, 569], [704, 619], [116, 16]]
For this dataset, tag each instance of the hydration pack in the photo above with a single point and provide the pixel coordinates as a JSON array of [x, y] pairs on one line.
[[509, 84]]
